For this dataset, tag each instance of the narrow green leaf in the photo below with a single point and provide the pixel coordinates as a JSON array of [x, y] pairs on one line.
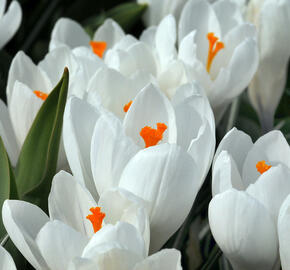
[[6, 179], [126, 15], [38, 157]]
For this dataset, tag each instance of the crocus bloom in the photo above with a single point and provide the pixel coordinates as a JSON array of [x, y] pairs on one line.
[[71, 34], [110, 153], [154, 54], [250, 183], [29, 85], [272, 18], [75, 222], [9, 22], [6, 261], [218, 49]]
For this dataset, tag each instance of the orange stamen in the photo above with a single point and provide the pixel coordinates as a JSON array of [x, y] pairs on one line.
[[98, 47], [96, 218], [40, 94], [152, 136], [214, 47], [262, 166], [127, 106]]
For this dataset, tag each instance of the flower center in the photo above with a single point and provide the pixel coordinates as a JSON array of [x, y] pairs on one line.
[[127, 106], [262, 166], [40, 94], [98, 47], [152, 136], [96, 218], [214, 47]]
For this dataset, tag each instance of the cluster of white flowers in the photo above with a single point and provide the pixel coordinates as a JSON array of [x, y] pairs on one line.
[[139, 137]]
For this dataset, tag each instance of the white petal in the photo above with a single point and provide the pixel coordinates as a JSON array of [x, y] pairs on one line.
[[22, 69], [123, 234], [273, 148], [121, 205], [22, 222], [78, 125], [237, 144], [165, 40], [2, 7], [111, 150], [198, 15], [59, 244], [232, 18], [244, 230], [244, 62], [148, 36], [113, 89], [171, 77], [110, 32], [188, 122], [271, 188], [122, 61], [7, 134], [23, 108], [169, 259], [108, 257], [149, 108], [143, 57], [68, 32], [10, 22], [284, 234], [225, 174], [157, 174], [70, 203], [187, 48], [55, 62], [198, 100], [6, 261], [79, 263], [269, 82]]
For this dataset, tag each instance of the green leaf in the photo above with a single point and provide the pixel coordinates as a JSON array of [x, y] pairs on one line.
[[126, 15], [38, 157], [7, 184]]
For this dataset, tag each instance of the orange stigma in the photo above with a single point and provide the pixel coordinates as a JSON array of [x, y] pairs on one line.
[[96, 218], [127, 106], [98, 47], [262, 166], [152, 136], [40, 94], [214, 47]]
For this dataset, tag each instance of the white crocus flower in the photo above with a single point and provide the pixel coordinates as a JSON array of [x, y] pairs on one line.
[[76, 224], [218, 49], [6, 261], [271, 18], [155, 54], [29, 85], [250, 182], [67, 32], [244, 230], [238, 156], [111, 152], [9, 22]]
